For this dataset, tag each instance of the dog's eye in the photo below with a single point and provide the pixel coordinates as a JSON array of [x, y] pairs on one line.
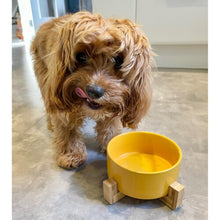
[[81, 57], [68, 72], [118, 61]]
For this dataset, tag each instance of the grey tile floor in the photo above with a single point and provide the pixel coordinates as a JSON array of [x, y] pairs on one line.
[[42, 190]]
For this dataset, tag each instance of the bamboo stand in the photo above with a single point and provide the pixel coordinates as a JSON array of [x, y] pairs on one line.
[[173, 199]]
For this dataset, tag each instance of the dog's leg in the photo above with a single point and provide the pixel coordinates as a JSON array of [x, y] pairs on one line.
[[71, 151], [106, 130]]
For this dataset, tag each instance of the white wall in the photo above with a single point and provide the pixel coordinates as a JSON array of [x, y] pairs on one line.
[[26, 21], [177, 29], [174, 21], [115, 8]]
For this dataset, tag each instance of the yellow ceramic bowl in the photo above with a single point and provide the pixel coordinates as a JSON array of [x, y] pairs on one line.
[[144, 164]]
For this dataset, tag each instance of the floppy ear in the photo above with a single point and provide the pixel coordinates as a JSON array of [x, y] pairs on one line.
[[60, 66], [62, 62], [139, 81]]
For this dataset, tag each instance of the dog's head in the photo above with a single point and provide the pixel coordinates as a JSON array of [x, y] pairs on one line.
[[103, 67]]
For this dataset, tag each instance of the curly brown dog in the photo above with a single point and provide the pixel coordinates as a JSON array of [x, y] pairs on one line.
[[88, 66]]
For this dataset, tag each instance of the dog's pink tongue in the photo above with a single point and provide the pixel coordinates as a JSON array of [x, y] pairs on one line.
[[81, 93]]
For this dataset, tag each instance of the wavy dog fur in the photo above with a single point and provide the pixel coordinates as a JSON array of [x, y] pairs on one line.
[[127, 88]]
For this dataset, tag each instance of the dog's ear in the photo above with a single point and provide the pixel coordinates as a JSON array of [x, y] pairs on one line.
[[58, 70], [59, 63], [138, 79], [62, 60]]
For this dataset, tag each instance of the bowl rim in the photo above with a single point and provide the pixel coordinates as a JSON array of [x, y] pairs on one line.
[[145, 172]]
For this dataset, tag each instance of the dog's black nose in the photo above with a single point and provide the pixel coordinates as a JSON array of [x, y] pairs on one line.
[[94, 91]]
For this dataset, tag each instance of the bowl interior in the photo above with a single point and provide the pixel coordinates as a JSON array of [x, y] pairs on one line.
[[144, 152]]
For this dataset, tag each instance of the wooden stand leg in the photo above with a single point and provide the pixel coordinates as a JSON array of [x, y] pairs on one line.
[[110, 191], [175, 195]]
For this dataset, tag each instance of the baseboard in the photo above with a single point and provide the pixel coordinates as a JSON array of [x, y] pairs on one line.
[[181, 56]]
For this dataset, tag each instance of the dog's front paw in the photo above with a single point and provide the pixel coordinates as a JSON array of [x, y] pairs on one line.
[[71, 160]]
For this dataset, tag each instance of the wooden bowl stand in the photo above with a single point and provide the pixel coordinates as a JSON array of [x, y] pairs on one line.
[[173, 199]]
